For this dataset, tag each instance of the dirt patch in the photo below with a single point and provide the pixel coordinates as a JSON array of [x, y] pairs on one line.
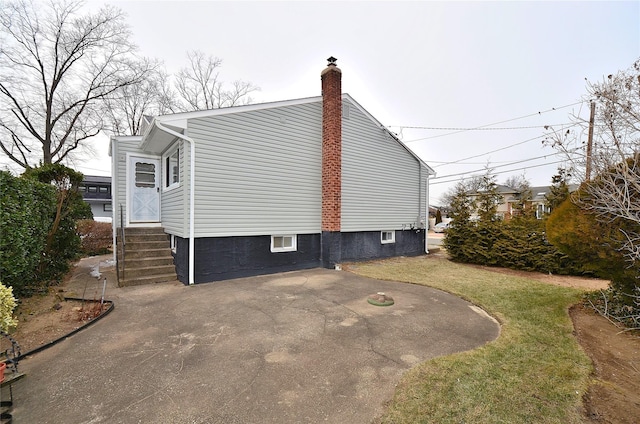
[[43, 319], [614, 395], [557, 280]]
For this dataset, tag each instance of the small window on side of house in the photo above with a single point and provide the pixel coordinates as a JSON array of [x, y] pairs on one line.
[[172, 168], [107, 207], [284, 243], [387, 237]]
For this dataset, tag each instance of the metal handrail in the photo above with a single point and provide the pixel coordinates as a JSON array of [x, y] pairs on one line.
[[124, 246]]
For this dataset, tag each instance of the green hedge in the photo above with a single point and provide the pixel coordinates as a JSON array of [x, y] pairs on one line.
[[520, 243], [26, 210], [38, 213]]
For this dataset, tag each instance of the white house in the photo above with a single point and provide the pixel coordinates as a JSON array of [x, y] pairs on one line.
[[96, 191], [272, 187]]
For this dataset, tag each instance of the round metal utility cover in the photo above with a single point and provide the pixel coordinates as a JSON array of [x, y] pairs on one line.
[[380, 299]]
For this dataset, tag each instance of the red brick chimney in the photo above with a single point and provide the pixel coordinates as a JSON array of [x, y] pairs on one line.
[[331, 78]]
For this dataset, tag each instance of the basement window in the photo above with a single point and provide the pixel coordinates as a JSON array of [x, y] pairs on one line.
[[284, 243], [387, 237]]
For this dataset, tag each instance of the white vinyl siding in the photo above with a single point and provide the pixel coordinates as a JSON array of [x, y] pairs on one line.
[[122, 146], [381, 186], [258, 172], [175, 200]]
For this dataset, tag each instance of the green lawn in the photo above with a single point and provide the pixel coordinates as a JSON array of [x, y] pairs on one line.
[[535, 372]]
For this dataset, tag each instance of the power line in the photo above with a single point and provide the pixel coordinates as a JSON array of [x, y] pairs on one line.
[[460, 163], [511, 163], [481, 128], [490, 125], [497, 173], [493, 151]]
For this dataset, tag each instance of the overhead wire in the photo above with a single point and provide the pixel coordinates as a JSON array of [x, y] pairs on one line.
[[495, 151], [480, 128], [456, 131], [496, 173], [508, 164]]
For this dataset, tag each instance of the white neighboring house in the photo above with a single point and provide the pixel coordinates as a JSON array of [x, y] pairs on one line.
[[96, 191], [272, 187]]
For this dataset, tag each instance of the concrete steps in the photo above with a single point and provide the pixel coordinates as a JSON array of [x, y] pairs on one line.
[[147, 257]]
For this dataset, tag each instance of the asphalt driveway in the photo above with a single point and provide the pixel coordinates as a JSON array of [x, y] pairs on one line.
[[299, 347]]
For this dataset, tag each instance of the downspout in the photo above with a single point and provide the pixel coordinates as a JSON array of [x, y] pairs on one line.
[[426, 223], [114, 221], [192, 180]]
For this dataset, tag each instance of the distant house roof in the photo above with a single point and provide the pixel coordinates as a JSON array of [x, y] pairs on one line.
[[500, 189], [538, 194], [503, 189], [97, 179]]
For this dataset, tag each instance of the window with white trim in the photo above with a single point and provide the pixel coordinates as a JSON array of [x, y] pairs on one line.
[[284, 243], [387, 237], [172, 168]]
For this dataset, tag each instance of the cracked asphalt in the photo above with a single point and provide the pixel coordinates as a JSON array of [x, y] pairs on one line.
[[298, 347]]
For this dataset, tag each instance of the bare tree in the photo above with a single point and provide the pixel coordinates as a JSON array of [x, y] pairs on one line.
[[614, 194], [518, 182], [57, 66], [468, 185], [127, 107], [522, 206], [200, 87]]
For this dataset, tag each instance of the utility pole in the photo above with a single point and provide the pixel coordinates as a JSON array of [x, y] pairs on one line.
[[590, 140]]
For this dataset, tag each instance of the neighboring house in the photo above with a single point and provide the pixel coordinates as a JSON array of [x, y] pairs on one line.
[[539, 201], [96, 191], [511, 197], [508, 197], [273, 187]]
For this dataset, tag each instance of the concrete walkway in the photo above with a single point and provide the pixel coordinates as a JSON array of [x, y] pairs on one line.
[[299, 347]]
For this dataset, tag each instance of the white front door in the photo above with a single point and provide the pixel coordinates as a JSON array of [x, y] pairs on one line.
[[144, 189]]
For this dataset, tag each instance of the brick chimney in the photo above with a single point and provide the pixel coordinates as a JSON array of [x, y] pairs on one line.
[[331, 240], [331, 78]]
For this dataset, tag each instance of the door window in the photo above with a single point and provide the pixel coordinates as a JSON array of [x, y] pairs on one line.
[[145, 175]]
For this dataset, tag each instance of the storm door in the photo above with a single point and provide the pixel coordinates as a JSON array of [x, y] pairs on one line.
[[144, 190]]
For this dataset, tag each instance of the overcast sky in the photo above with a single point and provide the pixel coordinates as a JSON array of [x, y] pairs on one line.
[[413, 64]]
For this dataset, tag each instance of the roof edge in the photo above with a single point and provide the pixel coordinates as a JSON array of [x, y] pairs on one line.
[[177, 118], [389, 132]]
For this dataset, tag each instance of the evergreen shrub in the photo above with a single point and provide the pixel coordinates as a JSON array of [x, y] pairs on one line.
[[590, 242], [26, 211]]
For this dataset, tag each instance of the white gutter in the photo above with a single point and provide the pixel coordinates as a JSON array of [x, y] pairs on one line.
[[192, 180]]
